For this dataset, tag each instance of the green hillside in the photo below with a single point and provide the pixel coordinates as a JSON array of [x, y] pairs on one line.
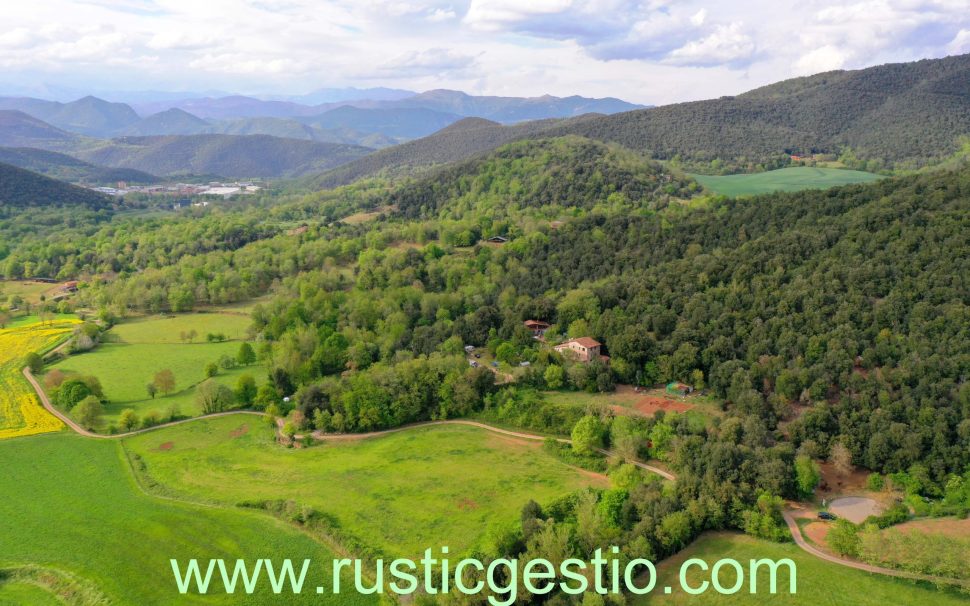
[[68, 168], [553, 174], [18, 129], [169, 122], [225, 155], [901, 115], [784, 179], [21, 188]]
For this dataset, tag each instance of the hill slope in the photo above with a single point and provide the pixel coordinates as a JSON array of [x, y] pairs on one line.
[[225, 155], [905, 113], [401, 123], [460, 141], [513, 109], [552, 174], [18, 129], [21, 188], [87, 116], [169, 122], [68, 168]]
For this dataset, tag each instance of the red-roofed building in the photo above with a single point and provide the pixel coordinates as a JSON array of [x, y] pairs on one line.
[[583, 349], [538, 327]]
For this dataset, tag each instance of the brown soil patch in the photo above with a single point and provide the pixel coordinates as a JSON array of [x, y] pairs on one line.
[[816, 532], [499, 440], [239, 431], [645, 402], [466, 504], [833, 483], [951, 527], [166, 446]]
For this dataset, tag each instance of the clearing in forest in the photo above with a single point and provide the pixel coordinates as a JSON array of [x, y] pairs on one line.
[[785, 179], [400, 493]]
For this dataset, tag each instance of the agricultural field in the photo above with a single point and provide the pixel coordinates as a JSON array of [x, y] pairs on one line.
[[819, 583], [626, 401], [29, 291], [399, 493], [20, 411], [70, 505], [784, 179], [134, 351]]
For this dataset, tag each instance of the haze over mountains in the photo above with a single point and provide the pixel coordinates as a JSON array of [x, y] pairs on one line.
[[898, 115]]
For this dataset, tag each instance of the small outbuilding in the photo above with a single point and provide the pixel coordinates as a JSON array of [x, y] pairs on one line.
[[679, 389]]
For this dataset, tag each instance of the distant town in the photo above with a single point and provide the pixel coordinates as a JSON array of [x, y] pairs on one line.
[[184, 191]]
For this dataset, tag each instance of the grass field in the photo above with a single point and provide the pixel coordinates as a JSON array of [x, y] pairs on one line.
[[400, 493], [167, 329], [20, 411], [136, 350], [784, 179], [819, 583], [26, 290], [71, 504]]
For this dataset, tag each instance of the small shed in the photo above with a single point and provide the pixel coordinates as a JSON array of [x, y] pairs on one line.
[[498, 240], [679, 389]]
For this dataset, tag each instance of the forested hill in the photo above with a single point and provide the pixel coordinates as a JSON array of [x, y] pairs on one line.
[[550, 174], [21, 188], [462, 140], [900, 115], [68, 168], [225, 155], [904, 114]]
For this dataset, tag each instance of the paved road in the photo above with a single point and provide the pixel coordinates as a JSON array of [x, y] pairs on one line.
[[90, 434], [789, 518]]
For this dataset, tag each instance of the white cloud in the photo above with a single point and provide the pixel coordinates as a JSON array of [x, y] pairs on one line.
[[823, 59], [725, 45], [960, 43], [650, 51]]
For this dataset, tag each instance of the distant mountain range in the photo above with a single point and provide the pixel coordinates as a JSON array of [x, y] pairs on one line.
[[906, 115], [225, 155]]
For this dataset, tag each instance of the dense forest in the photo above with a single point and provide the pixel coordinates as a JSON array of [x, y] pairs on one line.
[[821, 321], [20, 189], [839, 315], [899, 116]]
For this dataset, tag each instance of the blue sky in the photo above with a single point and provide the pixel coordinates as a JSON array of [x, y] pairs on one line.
[[648, 51]]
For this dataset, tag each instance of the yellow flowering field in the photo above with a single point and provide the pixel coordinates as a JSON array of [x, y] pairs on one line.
[[20, 411]]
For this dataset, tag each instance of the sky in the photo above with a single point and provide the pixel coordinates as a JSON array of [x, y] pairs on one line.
[[647, 51]]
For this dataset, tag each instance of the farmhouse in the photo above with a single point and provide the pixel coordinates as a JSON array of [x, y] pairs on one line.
[[498, 240], [583, 349], [538, 327]]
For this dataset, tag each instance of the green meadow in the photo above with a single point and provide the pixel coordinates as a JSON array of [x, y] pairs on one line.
[[71, 505], [819, 583], [399, 493], [134, 351], [785, 179]]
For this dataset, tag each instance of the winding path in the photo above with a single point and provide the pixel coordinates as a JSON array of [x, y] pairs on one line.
[[90, 434], [318, 435], [796, 533]]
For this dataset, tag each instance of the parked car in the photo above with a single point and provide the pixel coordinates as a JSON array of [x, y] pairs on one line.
[[825, 515]]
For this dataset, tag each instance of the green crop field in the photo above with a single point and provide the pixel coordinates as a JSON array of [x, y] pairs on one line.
[[819, 583], [168, 329], [134, 351], [70, 504], [399, 493], [784, 179]]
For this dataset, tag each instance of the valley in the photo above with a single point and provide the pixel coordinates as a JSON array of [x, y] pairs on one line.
[[329, 325]]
